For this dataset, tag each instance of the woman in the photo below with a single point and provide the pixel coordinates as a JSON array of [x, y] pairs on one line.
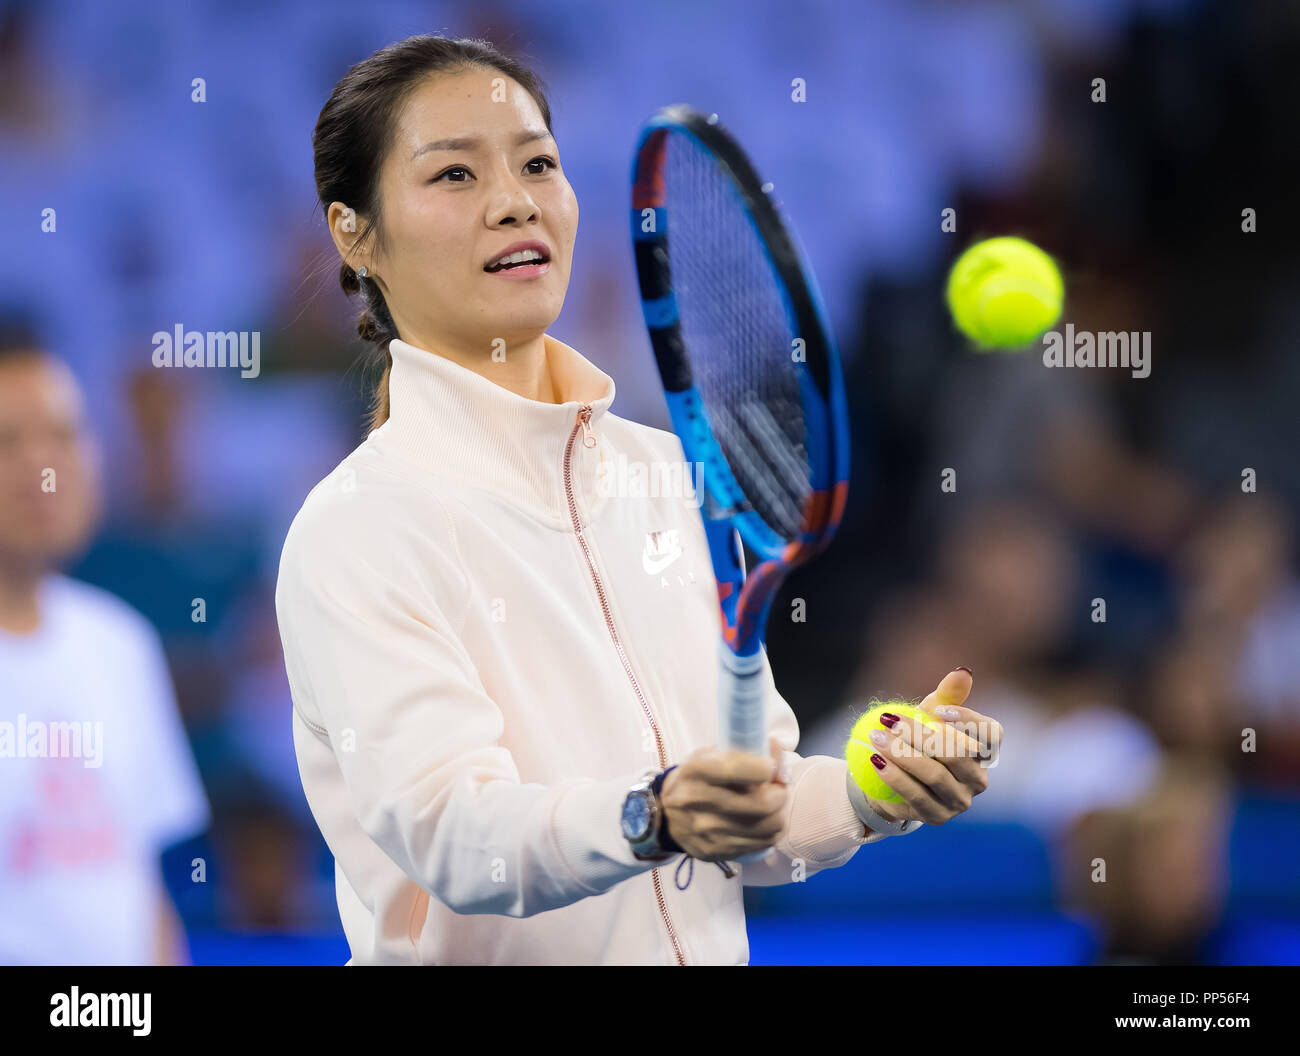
[[495, 659]]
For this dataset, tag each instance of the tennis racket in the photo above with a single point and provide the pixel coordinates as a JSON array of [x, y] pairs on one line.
[[752, 379]]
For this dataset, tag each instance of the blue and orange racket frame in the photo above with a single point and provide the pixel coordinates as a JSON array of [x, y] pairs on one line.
[[744, 600]]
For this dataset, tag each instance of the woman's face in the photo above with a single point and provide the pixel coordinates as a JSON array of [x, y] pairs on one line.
[[450, 209]]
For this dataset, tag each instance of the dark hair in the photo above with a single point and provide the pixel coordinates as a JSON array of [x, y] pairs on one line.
[[352, 138], [19, 336]]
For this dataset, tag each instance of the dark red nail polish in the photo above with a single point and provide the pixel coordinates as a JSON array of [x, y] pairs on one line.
[[888, 719], [877, 762], [966, 669]]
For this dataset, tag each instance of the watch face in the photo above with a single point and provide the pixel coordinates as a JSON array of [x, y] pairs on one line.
[[636, 816]]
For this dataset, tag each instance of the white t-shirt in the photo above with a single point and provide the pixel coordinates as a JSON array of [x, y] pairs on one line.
[[1268, 675], [1054, 769], [87, 806]]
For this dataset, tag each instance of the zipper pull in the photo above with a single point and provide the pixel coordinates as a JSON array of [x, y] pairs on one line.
[[584, 416]]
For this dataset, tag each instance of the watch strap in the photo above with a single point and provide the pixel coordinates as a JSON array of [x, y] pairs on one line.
[[666, 841]]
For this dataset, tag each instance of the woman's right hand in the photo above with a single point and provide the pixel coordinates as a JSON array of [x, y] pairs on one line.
[[721, 805]]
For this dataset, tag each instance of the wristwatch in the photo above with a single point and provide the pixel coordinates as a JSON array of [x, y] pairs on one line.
[[644, 825], [872, 820]]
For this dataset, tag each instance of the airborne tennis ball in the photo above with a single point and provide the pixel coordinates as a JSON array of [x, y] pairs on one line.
[[1004, 293], [859, 749]]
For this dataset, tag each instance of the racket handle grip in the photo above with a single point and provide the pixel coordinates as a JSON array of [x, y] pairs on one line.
[[742, 702], [742, 710]]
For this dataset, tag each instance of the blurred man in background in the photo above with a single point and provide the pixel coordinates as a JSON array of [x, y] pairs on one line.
[[1153, 873], [96, 776]]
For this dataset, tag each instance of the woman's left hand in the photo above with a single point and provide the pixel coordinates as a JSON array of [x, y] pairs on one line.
[[938, 781]]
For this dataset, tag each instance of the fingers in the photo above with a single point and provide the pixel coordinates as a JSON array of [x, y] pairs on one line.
[[714, 836], [951, 692], [946, 703], [782, 775], [981, 729], [735, 785], [726, 804], [929, 787], [747, 807], [939, 776], [983, 733], [948, 744], [720, 766]]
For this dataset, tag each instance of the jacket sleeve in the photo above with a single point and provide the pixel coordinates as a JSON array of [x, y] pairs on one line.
[[368, 626], [821, 830]]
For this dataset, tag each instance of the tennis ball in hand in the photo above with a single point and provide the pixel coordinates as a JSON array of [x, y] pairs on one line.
[[1004, 293], [859, 749]]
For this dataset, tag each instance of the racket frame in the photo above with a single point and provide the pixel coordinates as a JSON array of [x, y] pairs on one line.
[[744, 600]]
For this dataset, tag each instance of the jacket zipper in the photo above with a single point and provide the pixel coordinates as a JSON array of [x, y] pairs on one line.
[[314, 727], [589, 440]]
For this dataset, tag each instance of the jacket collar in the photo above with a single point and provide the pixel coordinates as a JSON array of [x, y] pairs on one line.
[[458, 424]]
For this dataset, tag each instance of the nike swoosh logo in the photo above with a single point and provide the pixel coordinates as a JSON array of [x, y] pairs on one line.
[[655, 565]]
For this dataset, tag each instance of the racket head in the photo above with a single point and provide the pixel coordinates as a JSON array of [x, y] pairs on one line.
[[748, 361]]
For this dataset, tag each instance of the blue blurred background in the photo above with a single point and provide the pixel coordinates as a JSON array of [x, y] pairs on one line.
[[1124, 737]]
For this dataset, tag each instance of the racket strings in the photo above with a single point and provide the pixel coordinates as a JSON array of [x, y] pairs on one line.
[[737, 325]]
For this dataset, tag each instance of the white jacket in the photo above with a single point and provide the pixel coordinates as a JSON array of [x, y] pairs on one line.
[[487, 644]]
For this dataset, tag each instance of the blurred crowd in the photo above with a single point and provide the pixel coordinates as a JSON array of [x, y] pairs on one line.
[[1130, 611], [1117, 561]]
